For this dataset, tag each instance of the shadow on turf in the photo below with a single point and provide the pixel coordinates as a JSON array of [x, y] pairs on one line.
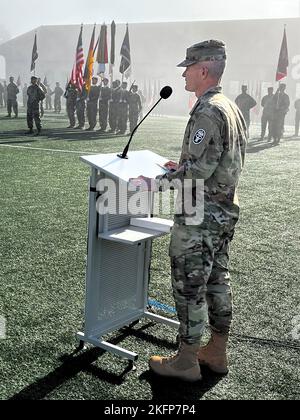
[[257, 145], [170, 389]]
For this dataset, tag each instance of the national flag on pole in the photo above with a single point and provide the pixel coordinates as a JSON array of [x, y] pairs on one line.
[[35, 55], [77, 74], [19, 81], [125, 65], [89, 65], [283, 62], [102, 54]]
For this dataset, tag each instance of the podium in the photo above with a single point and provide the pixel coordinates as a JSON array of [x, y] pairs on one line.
[[119, 248]]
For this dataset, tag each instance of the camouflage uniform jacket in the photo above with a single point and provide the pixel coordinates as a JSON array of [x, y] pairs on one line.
[[12, 91], [214, 150]]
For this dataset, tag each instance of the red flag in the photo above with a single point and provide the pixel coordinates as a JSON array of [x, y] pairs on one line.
[[77, 74], [283, 62]]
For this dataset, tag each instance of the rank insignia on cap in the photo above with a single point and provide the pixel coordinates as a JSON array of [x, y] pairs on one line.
[[199, 136]]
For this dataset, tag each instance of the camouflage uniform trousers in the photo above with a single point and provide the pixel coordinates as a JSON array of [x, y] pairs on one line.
[[92, 110], [122, 117], [277, 125], [57, 104], [80, 111], [103, 114], [12, 104], [113, 115], [133, 118], [33, 113], [71, 109], [201, 281]]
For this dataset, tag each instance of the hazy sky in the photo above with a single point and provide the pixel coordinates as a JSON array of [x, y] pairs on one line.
[[17, 16]]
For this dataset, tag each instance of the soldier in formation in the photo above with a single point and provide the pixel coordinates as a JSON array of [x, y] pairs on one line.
[[12, 103], [297, 117], [267, 115], [135, 107], [1, 95], [104, 100], [58, 93], [245, 102], [92, 104], [71, 99], [35, 96], [281, 104]]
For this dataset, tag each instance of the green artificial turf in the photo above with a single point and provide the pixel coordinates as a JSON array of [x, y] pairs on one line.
[[43, 225]]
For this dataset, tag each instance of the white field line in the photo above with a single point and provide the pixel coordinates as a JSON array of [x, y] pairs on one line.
[[48, 150]]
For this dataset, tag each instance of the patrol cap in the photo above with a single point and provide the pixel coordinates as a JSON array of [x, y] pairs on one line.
[[211, 50], [33, 78]]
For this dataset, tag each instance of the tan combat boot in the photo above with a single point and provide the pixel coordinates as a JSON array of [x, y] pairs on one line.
[[184, 365], [214, 354]]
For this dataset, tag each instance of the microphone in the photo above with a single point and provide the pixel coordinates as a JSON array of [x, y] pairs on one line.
[[165, 93]]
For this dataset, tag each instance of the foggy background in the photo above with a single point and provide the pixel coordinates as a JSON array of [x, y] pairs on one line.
[[17, 17], [156, 48]]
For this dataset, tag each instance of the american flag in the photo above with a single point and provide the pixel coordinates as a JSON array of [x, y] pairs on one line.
[[77, 73]]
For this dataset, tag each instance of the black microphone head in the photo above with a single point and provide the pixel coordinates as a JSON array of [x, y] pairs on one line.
[[166, 92]]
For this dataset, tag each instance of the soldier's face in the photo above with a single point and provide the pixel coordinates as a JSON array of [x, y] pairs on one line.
[[195, 76]]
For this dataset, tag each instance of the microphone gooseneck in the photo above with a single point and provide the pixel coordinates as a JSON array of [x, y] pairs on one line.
[[165, 93]]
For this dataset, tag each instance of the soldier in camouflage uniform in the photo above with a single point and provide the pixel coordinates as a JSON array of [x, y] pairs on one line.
[[1, 95], [123, 109], [245, 102], [12, 102], [35, 96], [114, 106], [71, 98], [80, 108], [135, 107], [213, 151], [281, 104], [105, 97], [92, 104]]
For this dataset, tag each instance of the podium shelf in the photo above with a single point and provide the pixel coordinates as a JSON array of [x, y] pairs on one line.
[[131, 235]]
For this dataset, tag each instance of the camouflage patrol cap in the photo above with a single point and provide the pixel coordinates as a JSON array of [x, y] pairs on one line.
[[211, 50]]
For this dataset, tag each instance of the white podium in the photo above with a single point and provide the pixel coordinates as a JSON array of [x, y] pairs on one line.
[[119, 250]]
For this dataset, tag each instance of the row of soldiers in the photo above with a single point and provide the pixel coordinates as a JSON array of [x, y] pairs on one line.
[[8, 97], [275, 107], [115, 106]]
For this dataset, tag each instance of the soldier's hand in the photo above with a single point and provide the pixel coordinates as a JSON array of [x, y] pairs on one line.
[[171, 166]]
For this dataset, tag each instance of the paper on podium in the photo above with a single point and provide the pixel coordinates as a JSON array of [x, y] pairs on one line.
[[142, 162], [154, 223]]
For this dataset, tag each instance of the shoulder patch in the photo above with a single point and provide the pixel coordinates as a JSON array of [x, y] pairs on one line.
[[199, 136]]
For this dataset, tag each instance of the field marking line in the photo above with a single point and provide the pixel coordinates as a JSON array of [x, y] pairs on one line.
[[48, 150]]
